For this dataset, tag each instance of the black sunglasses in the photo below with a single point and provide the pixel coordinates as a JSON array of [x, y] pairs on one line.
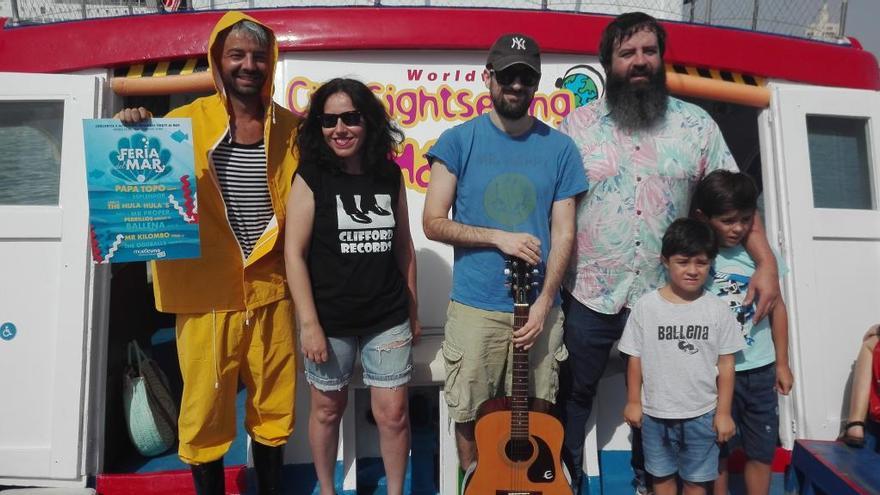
[[527, 77], [351, 119]]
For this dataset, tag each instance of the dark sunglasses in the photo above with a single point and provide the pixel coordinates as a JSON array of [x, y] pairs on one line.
[[526, 77], [351, 119]]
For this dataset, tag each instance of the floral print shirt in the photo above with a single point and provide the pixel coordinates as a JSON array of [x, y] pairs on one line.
[[639, 183]]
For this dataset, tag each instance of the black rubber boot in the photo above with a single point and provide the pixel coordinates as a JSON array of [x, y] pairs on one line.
[[208, 478], [267, 464]]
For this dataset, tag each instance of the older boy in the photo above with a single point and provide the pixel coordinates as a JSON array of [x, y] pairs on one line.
[[728, 201]]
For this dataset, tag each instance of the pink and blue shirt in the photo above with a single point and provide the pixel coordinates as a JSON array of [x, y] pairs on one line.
[[639, 183]]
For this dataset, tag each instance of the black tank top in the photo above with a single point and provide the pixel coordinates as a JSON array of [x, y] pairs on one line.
[[357, 286]]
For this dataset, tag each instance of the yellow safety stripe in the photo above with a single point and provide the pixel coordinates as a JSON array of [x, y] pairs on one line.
[[719, 75], [163, 68]]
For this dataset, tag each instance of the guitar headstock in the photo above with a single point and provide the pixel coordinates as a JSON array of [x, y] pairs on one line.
[[521, 278]]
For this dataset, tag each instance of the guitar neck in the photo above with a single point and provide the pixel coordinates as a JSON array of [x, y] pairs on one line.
[[519, 419]]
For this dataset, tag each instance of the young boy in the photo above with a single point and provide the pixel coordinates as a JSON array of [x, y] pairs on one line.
[[728, 201], [681, 340]]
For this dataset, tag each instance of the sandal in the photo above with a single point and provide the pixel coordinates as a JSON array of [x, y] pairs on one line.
[[850, 440]]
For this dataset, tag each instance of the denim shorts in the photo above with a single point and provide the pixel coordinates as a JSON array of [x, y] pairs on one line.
[[756, 414], [385, 356], [683, 446]]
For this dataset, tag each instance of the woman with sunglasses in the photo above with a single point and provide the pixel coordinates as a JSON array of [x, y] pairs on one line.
[[352, 271]]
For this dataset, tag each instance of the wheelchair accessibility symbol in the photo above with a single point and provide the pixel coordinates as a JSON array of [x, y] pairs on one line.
[[7, 331]]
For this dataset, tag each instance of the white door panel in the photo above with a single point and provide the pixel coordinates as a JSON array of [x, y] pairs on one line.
[[45, 271], [827, 175]]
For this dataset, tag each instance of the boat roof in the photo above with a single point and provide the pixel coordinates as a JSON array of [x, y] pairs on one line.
[[120, 41]]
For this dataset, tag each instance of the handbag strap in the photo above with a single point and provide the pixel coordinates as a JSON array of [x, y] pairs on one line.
[[139, 356]]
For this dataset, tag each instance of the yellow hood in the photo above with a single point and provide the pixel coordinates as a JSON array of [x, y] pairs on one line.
[[220, 279], [215, 51]]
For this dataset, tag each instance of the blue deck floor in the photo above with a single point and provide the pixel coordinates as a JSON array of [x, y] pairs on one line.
[[421, 475]]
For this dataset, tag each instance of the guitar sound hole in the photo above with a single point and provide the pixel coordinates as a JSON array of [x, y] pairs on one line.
[[518, 450]]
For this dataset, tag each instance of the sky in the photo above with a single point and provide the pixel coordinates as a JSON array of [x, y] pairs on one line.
[[861, 23]]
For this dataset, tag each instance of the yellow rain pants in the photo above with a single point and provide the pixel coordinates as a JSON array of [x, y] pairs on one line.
[[215, 350]]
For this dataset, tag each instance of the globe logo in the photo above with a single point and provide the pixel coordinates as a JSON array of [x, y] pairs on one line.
[[582, 87], [584, 82]]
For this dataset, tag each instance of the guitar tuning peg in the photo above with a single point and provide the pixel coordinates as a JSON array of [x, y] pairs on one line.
[[507, 271], [534, 271], [534, 284]]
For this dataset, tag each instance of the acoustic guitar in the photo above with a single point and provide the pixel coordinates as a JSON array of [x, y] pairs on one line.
[[518, 442]]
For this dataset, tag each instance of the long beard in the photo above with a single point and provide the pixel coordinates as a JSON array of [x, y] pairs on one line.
[[637, 106]]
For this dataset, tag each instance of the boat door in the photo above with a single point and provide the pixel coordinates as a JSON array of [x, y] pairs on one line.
[[825, 184], [45, 278]]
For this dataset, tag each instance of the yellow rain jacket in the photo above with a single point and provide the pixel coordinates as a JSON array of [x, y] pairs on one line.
[[222, 279]]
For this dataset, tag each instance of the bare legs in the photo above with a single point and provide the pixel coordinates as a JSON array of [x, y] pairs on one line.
[[324, 416], [666, 485], [391, 411], [861, 385], [466, 444], [669, 486], [693, 488], [757, 477]]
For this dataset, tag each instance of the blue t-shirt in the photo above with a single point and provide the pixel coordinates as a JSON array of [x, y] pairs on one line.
[[506, 183], [729, 279]]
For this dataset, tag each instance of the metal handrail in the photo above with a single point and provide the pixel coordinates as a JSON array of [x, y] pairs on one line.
[[754, 14]]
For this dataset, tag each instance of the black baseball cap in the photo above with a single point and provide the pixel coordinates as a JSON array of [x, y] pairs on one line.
[[514, 48]]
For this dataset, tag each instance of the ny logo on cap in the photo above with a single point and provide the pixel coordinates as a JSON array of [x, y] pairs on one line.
[[518, 43]]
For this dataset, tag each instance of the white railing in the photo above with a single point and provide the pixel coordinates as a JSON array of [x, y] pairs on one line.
[[823, 19]]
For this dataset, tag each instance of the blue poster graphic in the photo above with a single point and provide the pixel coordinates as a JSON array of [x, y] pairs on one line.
[[142, 190]]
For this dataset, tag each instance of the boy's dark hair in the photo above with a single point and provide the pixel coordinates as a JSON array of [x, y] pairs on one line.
[[723, 191], [622, 28], [689, 237]]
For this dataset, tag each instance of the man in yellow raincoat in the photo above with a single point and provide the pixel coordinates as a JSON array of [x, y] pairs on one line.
[[234, 313]]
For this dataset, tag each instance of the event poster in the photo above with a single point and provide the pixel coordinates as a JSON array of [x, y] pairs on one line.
[[142, 190]]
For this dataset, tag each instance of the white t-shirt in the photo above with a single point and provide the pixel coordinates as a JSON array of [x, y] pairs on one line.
[[679, 345]]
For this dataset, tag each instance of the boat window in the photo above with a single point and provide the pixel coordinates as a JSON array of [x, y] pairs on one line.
[[30, 152], [839, 162]]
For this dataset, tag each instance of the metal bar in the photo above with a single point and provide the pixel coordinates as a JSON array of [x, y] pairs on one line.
[[693, 7], [14, 5], [83, 9], [543, 4], [755, 16], [709, 12], [842, 30]]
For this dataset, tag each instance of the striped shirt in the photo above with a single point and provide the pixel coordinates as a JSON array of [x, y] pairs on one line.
[[241, 170]]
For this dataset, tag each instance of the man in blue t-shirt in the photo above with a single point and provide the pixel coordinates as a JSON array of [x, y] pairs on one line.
[[508, 179]]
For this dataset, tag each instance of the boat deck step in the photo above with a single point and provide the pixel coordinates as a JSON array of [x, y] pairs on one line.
[[833, 468]]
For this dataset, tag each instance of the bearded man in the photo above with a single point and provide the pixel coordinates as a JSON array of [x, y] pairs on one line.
[[510, 178], [644, 153]]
